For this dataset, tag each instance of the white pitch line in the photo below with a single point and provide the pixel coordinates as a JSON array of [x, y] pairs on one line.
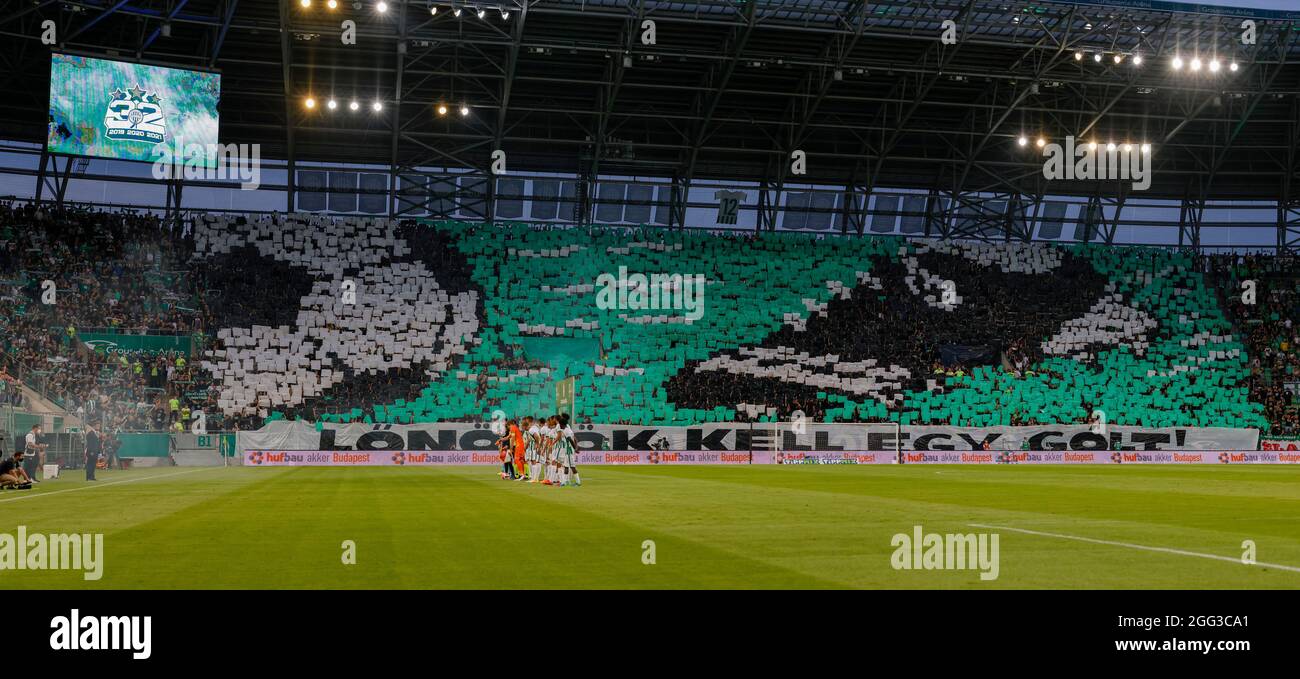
[[1166, 550], [101, 485]]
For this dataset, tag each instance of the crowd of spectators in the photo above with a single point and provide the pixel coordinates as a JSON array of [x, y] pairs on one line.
[[11, 392], [1000, 323], [1262, 296], [83, 271], [132, 273]]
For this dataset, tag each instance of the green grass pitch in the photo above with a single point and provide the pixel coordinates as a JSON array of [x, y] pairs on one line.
[[712, 527]]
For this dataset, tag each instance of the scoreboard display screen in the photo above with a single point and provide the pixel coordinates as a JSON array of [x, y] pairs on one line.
[[125, 111]]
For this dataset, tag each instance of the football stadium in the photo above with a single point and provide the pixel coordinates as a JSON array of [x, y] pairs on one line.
[[643, 294]]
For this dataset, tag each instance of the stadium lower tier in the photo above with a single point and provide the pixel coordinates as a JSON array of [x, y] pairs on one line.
[[372, 321], [376, 321]]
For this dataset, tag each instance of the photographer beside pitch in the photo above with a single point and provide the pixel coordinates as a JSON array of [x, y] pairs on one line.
[[12, 474]]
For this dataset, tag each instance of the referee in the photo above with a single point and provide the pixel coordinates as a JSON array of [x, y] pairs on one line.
[[93, 449]]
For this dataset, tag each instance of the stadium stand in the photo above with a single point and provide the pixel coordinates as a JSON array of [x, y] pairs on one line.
[[1268, 330], [1135, 333], [452, 320], [116, 272], [343, 302]]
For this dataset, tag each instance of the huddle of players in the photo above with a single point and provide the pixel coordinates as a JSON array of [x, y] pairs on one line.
[[540, 451]]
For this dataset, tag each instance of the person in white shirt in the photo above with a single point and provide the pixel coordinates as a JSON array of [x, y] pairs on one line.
[[532, 436], [550, 437], [569, 456], [34, 451]]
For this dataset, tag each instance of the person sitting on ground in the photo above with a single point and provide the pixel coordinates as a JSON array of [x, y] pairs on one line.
[[12, 474]]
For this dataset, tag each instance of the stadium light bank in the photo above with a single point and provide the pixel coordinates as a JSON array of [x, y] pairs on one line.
[[210, 162]]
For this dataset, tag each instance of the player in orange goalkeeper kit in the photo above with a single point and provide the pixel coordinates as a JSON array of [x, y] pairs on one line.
[[519, 447]]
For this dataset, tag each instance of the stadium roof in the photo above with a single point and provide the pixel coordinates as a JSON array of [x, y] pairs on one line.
[[729, 90]]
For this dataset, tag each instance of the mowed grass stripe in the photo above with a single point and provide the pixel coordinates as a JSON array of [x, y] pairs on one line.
[[413, 527], [55, 487], [777, 530], [1149, 496], [1043, 565], [120, 500], [120, 512]]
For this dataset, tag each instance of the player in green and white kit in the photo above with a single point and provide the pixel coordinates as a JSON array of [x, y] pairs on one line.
[[549, 433], [533, 453], [568, 454]]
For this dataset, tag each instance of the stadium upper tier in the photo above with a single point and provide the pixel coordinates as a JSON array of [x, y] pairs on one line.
[[357, 319]]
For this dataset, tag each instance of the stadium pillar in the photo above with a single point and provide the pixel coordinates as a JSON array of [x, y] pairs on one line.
[[582, 200], [173, 209], [507, 86], [1014, 222], [1110, 226], [710, 93], [40, 173], [1031, 221], [1288, 203], [767, 208], [934, 214], [1189, 222], [608, 93], [857, 204], [1288, 226], [60, 184], [850, 215], [221, 33], [395, 116], [1092, 217], [677, 203], [286, 61], [61, 188]]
